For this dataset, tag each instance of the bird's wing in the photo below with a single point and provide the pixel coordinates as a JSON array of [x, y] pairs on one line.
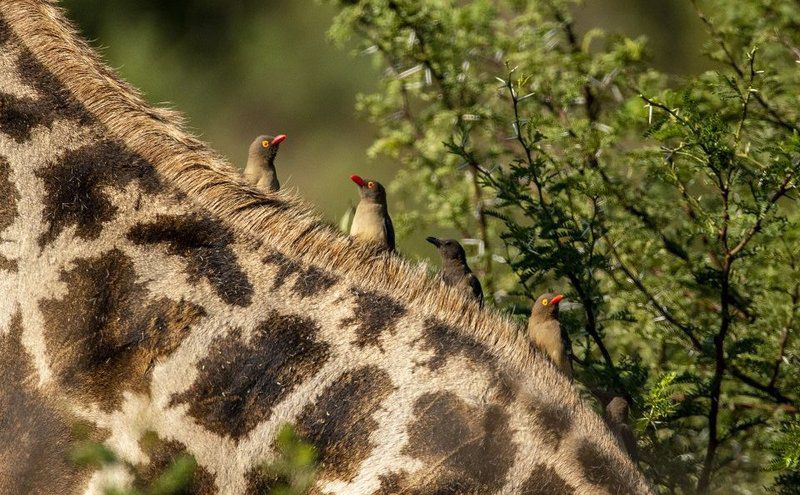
[[546, 335], [629, 440], [389, 229], [477, 290]]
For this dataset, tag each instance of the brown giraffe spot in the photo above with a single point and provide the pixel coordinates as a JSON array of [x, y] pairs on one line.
[[554, 422], [313, 281], [403, 484], [205, 244], [392, 483], [5, 32], [545, 480], [18, 116], [239, 383], [162, 454], [75, 187], [446, 341], [35, 436], [259, 481], [286, 267], [8, 195], [471, 448], [605, 471], [340, 422], [105, 335], [310, 282], [7, 264], [374, 313]]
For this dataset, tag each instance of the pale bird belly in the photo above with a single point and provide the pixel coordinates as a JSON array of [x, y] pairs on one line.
[[252, 172], [268, 182], [368, 225]]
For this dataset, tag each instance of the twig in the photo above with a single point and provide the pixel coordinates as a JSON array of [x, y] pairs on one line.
[[731, 60], [661, 309], [785, 336], [771, 391], [784, 188]]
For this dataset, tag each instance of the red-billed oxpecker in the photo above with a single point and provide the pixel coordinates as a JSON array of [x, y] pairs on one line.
[[371, 221], [544, 331], [260, 169], [617, 419], [455, 270]]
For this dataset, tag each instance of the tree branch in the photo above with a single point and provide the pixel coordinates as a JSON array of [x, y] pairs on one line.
[[661, 309], [784, 188], [731, 60], [771, 391], [785, 336]]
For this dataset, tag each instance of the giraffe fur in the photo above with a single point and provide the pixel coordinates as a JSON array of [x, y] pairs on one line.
[[148, 290]]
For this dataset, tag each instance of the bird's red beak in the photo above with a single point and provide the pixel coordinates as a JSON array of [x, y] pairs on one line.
[[557, 299], [358, 180], [278, 139]]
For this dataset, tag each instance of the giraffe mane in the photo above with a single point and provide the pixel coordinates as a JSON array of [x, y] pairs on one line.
[[282, 220], [520, 406]]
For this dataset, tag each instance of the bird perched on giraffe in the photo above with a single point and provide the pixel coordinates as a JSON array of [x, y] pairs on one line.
[[544, 330], [371, 221], [260, 169], [455, 270], [209, 318], [616, 416]]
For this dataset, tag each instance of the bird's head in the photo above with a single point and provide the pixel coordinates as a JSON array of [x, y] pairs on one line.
[[267, 147], [449, 249], [547, 305], [617, 410], [370, 190]]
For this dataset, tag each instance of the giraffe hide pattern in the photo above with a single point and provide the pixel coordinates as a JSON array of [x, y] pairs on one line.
[[152, 296]]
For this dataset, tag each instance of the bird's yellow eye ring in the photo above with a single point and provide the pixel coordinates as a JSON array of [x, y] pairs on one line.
[[371, 185], [265, 144], [545, 302]]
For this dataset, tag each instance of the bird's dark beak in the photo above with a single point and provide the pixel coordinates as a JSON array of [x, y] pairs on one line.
[[278, 139], [436, 242], [557, 299], [358, 180]]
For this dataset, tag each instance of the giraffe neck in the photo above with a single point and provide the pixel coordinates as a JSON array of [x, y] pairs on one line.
[[148, 288]]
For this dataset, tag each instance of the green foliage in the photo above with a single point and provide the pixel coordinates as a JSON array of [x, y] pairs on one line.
[[241, 68], [293, 472], [786, 457], [665, 207], [86, 453], [659, 404], [175, 480], [786, 447]]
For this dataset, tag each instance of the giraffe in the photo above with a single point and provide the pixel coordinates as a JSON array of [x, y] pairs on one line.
[[149, 291]]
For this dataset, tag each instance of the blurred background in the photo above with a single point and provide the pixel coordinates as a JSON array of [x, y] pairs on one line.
[[239, 68]]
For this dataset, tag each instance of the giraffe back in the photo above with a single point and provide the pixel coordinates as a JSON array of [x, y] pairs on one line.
[[153, 297]]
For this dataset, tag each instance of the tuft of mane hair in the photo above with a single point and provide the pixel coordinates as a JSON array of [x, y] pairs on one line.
[[282, 222], [283, 219]]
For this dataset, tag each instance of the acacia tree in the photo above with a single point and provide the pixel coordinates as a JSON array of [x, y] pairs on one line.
[[665, 208]]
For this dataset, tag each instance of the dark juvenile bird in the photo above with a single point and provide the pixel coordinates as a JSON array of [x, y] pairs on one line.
[[260, 169], [371, 221], [455, 270], [544, 330], [617, 419]]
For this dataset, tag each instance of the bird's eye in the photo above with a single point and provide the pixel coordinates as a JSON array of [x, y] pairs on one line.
[[371, 185], [265, 143], [545, 302]]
